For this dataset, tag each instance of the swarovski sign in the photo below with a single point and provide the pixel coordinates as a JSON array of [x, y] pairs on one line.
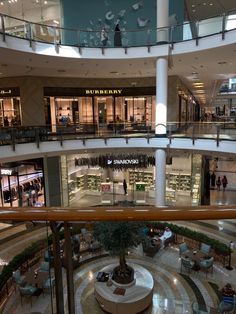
[[122, 162]]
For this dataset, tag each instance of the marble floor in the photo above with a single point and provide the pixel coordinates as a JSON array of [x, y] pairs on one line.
[[173, 292]]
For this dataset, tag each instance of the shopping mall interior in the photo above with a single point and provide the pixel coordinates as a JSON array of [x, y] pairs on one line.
[[117, 156]]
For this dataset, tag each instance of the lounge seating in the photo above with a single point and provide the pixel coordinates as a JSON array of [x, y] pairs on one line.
[[183, 248], [187, 264], [49, 284], [18, 278], [48, 256], [27, 291], [207, 265], [205, 248], [44, 267]]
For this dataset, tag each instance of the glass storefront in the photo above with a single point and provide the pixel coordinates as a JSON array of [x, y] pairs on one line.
[[102, 108], [99, 179], [10, 107], [22, 183]]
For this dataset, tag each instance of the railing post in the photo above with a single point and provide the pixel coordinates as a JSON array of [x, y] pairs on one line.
[[13, 139], [3, 28], [223, 26], [217, 135], [193, 134], [197, 32], [37, 137], [171, 37]]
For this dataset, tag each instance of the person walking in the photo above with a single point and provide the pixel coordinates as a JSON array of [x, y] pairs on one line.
[[117, 36], [218, 183], [104, 37], [213, 180], [224, 182], [125, 187]]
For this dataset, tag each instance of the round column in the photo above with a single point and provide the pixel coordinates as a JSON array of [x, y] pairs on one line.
[[162, 21], [160, 185], [161, 95]]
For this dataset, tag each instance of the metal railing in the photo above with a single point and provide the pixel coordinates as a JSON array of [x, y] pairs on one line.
[[82, 131], [130, 38]]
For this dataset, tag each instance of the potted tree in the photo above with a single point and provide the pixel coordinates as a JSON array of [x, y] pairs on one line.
[[116, 238]]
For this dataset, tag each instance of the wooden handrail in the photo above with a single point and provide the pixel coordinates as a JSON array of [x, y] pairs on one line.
[[117, 213]]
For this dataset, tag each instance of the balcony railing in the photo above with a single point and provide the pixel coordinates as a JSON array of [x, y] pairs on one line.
[[82, 131], [130, 38]]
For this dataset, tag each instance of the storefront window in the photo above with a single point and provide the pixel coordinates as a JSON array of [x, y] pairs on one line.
[[108, 111], [10, 114], [21, 184]]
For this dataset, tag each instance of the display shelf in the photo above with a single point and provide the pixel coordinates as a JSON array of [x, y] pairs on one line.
[[170, 196], [93, 182], [137, 176], [179, 181], [80, 180], [196, 189], [71, 189]]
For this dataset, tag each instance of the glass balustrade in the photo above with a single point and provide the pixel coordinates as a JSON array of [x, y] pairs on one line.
[[130, 38]]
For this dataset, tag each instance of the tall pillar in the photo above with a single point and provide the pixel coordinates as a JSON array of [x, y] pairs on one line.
[[162, 21], [52, 180], [160, 183], [161, 95]]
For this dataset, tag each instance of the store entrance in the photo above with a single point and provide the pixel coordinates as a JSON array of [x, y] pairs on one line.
[[102, 114]]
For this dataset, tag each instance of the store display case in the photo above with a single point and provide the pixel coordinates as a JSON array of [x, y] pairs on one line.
[[93, 182], [80, 179], [143, 176], [179, 181], [71, 189], [170, 197], [196, 189]]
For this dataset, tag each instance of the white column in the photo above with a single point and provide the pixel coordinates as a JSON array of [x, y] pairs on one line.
[[160, 184], [161, 95], [162, 21]]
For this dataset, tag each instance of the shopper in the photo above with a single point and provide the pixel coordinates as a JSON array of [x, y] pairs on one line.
[[224, 182], [117, 36], [125, 187], [166, 235], [218, 183], [213, 180], [227, 303], [104, 37], [6, 121]]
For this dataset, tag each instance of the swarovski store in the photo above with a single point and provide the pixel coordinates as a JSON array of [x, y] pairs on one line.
[[95, 179]]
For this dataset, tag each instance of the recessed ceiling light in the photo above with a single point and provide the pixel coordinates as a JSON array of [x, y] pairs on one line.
[[211, 3]]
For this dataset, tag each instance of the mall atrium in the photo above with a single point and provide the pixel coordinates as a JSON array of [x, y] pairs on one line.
[[117, 156]]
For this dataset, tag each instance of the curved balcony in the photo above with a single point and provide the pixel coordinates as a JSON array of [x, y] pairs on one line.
[[130, 38], [16, 142]]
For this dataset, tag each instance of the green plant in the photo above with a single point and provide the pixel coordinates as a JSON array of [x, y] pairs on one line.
[[219, 247]]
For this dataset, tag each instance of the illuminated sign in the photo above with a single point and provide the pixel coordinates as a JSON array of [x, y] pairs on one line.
[[103, 91], [3, 91], [6, 172], [122, 162]]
